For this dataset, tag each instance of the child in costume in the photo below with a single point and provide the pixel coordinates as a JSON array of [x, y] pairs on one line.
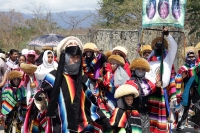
[[139, 67], [145, 51], [121, 51], [14, 101], [112, 79], [125, 118]]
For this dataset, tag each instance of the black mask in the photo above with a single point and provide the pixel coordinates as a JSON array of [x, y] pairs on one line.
[[158, 52]]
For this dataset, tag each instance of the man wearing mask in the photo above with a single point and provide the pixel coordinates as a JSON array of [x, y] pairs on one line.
[[160, 112], [187, 80], [71, 105]]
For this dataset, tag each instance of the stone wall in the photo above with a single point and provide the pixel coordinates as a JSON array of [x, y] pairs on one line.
[[106, 39]]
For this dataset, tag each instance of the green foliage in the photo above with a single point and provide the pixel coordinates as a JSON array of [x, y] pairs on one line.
[[124, 14], [193, 16]]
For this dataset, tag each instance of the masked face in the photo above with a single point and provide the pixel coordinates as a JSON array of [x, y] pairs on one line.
[[41, 106], [190, 59], [140, 72], [72, 64]]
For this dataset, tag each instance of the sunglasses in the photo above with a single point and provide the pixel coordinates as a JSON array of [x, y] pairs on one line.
[[50, 57]]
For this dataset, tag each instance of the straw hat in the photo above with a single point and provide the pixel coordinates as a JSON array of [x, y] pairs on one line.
[[47, 48], [126, 89], [187, 50], [159, 39], [89, 46], [121, 50], [146, 47], [28, 68], [14, 74], [197, 47], [65, 42], [108, 53], [140, 63], [117, 58]]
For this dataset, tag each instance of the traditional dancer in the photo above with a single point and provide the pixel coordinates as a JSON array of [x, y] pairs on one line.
[[126, 118], [139, 67], [68, 95], [121, 51], [112, 79], [14, 101], [158, 101], [187, 80]]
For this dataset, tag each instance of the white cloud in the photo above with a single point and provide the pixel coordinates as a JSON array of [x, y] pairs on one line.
[[54, 5]]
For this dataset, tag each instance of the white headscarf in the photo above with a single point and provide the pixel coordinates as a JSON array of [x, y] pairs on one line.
[[45, 67]]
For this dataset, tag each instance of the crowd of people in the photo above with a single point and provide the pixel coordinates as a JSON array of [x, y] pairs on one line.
[[78, 88]]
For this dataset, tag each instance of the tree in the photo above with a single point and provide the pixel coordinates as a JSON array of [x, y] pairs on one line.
[[193, 17], [72, 21], [9, 33], [42, 21], [124, 14]]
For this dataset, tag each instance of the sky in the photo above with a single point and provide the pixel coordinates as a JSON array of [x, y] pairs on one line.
[[53, 5]]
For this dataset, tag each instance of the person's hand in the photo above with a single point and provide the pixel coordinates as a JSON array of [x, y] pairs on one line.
[[184, 74], [158, 84], [165, 31]]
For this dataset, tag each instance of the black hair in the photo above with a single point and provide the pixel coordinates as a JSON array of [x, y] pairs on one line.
[[49, 52], [12, 51], [23, 56]]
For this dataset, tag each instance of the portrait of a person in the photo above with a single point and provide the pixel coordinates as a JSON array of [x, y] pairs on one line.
[[163, 8], [151, 9], [176, 12]]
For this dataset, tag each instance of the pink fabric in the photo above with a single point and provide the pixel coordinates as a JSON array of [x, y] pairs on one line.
[[32, 52]]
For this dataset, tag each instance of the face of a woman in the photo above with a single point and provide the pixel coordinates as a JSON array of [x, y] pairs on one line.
[[164, 10], [129, 100], [21, 59], [50, 58]]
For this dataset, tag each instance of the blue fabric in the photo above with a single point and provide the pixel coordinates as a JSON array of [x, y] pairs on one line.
[[186, 92]]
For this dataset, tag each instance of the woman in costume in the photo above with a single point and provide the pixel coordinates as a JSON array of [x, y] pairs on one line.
[[121, 51], [159, 108], [187, 82], [70, 107], [146, 87], [14, 101], [47, 66], [125, 117], [112, 79]]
